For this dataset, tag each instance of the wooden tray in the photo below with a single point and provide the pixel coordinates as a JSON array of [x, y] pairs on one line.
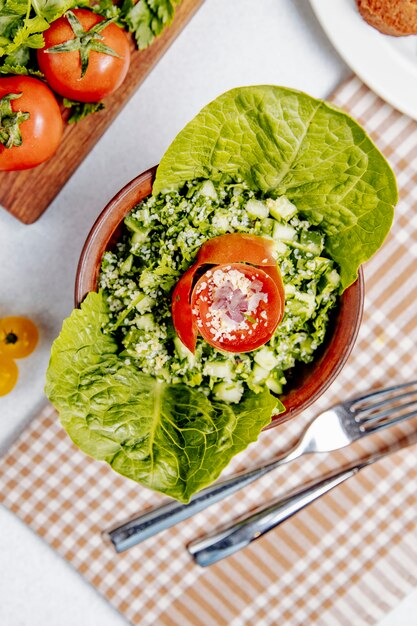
[[27, 194]]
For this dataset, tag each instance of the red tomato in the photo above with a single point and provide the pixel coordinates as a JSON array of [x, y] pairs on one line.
[[106, 48], [236, 307], [226, 249], [184, 323], [236, 247], [39, 132]]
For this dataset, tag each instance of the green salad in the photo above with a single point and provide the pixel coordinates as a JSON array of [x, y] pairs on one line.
[[268, 162], [164, 234]]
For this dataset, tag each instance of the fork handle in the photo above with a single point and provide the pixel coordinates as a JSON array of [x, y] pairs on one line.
[[241, 533], [152, 522]]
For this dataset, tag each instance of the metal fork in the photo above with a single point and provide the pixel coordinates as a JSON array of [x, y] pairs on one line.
[[333, 429]]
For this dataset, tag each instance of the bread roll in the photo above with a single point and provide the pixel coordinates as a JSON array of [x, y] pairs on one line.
[[391, 17]]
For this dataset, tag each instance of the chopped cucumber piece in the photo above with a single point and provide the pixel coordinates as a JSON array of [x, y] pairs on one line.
[[281, 248], [289, 289], [126, 266], [321, 265], [333, 278], [281, 208], [219, 369], [266, 358], [146, 322], [139, 236], [183, 352], [256, 381], [133, 225], [145, 304], [208, 190], [284, 232], [256, 208], [267, 225], [274, 385], [312, 241], [259, 374], [228, 392], [302, 304], [221, 221]]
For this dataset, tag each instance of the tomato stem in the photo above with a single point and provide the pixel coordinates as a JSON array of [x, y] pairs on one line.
[[11, 338], [84, 41], [10, 121]]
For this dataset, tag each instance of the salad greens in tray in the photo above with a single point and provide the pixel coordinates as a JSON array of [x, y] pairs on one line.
[[222, 282]]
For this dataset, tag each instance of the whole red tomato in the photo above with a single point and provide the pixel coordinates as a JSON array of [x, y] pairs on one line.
[[85, 57], [30, 123]]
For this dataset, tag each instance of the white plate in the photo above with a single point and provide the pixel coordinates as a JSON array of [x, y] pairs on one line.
[[388, 65]]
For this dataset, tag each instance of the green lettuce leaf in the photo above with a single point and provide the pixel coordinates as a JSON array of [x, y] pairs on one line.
[[285, 142], [170, 438]]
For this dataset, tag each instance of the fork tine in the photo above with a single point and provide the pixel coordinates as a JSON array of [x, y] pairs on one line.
[[390, 405], [373, 428], [379, 393]]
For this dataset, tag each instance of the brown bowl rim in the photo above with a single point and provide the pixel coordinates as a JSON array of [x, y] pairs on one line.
[[334, 352]]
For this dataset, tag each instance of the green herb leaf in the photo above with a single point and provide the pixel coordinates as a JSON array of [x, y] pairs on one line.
[[19, 70], [22, 23], [29, 35], [8, 23], [80, 110], [138, 19], [12, 16], [146, 19], [106, 8], [170, 438], [11, 11], [51, 10], [285, 142], [163, 9]]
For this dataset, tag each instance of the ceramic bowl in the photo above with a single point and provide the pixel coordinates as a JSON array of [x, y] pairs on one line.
[[307, 382]]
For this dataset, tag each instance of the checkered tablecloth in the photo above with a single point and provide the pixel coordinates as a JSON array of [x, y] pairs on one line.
[[347, 559]]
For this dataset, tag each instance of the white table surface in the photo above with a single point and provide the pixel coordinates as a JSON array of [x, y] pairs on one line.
[[228, 43]]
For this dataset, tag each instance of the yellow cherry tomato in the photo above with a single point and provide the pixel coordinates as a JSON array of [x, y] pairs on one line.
[[18, 337], [8, 374]]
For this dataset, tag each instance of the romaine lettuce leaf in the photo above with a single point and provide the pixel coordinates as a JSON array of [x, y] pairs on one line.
[[284, 142], [170, 438]]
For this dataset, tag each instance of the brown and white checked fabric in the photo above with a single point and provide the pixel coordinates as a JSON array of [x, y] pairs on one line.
[[347, 559]]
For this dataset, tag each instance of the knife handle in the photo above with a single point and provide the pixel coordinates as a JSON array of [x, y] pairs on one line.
[[228, 540]]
